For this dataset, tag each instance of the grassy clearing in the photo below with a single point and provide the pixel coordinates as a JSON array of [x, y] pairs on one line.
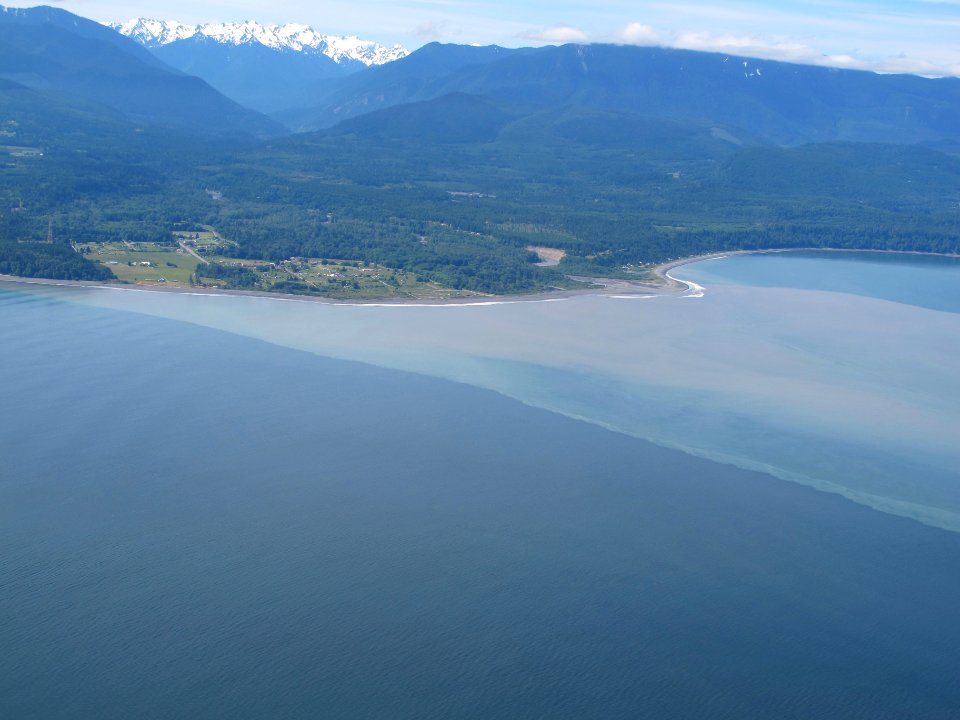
[[143, 262], [204, 240], [549, 257], [642, 273], [152, 263], [338, 279]]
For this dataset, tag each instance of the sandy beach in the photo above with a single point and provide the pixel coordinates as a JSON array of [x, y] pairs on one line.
[[664, 284], [592, 286]]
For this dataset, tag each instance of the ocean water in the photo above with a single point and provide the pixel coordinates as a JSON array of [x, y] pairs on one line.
[[836, 386], [928, 281], [195, 522]]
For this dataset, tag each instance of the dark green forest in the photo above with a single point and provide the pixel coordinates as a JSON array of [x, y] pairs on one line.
[[451, 164], [456, 191]]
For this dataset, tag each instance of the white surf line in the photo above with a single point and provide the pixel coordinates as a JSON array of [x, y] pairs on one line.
[[49, 283], [483, 303], [321, 300], [174, 291], [695, 291], [279, 298], [27, 281]]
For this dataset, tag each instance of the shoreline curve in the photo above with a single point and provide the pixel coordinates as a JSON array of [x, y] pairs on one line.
[[664, 284]]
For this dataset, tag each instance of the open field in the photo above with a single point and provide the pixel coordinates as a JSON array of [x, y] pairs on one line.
[[549, 257], [152, 263], [330, 278], [143, 262], [204, 240]]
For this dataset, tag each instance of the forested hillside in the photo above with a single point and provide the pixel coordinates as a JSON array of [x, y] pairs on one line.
[[456, 189], [56, 52], [780, 103]]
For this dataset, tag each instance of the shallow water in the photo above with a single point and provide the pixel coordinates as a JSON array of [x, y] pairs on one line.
[[199, 524], [928, 281], [850, 393]]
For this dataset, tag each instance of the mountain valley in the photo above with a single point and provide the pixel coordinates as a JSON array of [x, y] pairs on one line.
[[442, 168]]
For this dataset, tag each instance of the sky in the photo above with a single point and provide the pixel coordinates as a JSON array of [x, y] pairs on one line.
[[914, 36]]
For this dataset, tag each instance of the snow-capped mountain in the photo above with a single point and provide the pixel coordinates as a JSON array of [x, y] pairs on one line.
[[289, 37]]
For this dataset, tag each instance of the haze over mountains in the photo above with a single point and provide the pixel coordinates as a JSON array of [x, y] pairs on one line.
[[777, 102], [284, 72], [53, 51], [284, 38], [616, 154], [265, 67], [311, 81]]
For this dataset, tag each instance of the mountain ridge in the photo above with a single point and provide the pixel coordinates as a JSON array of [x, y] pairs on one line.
[[290, 37], [784, 103], [450, 163], [64, 55]]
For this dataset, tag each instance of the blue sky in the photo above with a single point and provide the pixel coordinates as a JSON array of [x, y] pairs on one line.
[[920, 36]]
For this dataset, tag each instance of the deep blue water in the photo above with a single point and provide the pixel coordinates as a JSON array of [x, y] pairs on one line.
[[197, 524]]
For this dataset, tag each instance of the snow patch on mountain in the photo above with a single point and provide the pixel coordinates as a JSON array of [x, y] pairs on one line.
[[290, 37], [152, 33]]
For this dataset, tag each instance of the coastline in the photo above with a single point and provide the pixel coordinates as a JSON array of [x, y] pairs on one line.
[[664, 284], [662, 269], [598, 286], [524, 334]]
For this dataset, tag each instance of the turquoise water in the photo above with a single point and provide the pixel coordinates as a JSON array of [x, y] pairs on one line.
[[195, 523], [927, 281]]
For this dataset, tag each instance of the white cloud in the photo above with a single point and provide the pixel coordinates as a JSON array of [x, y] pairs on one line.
[[915, 36], [639, 34], [750, 45], [783, 49], [558, 34], [912, 66], [428, 31], [797, 52]]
